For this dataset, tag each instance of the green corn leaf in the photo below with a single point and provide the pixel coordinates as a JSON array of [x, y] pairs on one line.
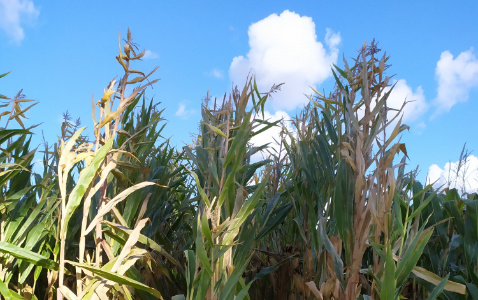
[[301, 229], [251, 203], [200, 189], [19, 214], [438, 289], [27, 255], [343, 206], [4, 74], [267, 126], [4, 291], [387, 290], [455, 212], [9, 294], [206, 230], [338, 263], [228, 291], [86, 176], [330, 127], [337, 80], [412, 255], [278, 216], [30, 222], [202, 281], [470, 238], [5, 134], [215, 129], [270, 207], [12, 200], [342, 72], [201, 253], [190, 271], [267, 270], [473, 290], [35, 236], [421, 207], [239, 143]]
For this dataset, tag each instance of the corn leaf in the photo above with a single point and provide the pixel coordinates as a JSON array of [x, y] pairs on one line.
[[120, 279], [120, 197], [84, 181], [27, 255], [438, 288], [387, 290]]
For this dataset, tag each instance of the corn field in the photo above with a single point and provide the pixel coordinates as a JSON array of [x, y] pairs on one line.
[[331, 213]]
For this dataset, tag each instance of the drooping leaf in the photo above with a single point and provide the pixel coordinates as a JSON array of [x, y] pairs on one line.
[[27, 255], [120, 279]]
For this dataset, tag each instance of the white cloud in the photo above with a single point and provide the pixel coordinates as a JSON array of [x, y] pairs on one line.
[[420, 127], [148, 54], [13, 13], [413, 111], [272, 133], [284, 48], [216, 73], [183, 112], [456, 76], [465, 181], [416, 104]]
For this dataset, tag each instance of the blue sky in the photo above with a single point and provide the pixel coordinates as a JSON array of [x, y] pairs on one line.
[[62, 52]]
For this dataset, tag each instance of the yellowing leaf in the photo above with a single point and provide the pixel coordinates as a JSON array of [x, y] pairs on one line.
[[215, 130], [311, 285], [120, 197]]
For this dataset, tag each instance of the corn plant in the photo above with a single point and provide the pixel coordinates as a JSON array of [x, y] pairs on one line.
[[342, 183], [331, 214], [226, 196], [26, 209], [168, 207], [99, 272], [451, 250]]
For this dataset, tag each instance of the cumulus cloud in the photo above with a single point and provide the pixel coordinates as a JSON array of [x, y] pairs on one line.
[[284, 48], [455, 76], [463, 178], [148, 54], [13, 13], [272, 134], [183, 112], [416, 105]]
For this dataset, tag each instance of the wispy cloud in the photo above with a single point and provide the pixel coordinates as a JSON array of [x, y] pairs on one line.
[[183, 112], [148, 54], [216, 73], [13, 13], [284, 48], [456, 77]]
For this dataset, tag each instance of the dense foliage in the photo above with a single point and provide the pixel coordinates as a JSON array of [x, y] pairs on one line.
[[331, 214]]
